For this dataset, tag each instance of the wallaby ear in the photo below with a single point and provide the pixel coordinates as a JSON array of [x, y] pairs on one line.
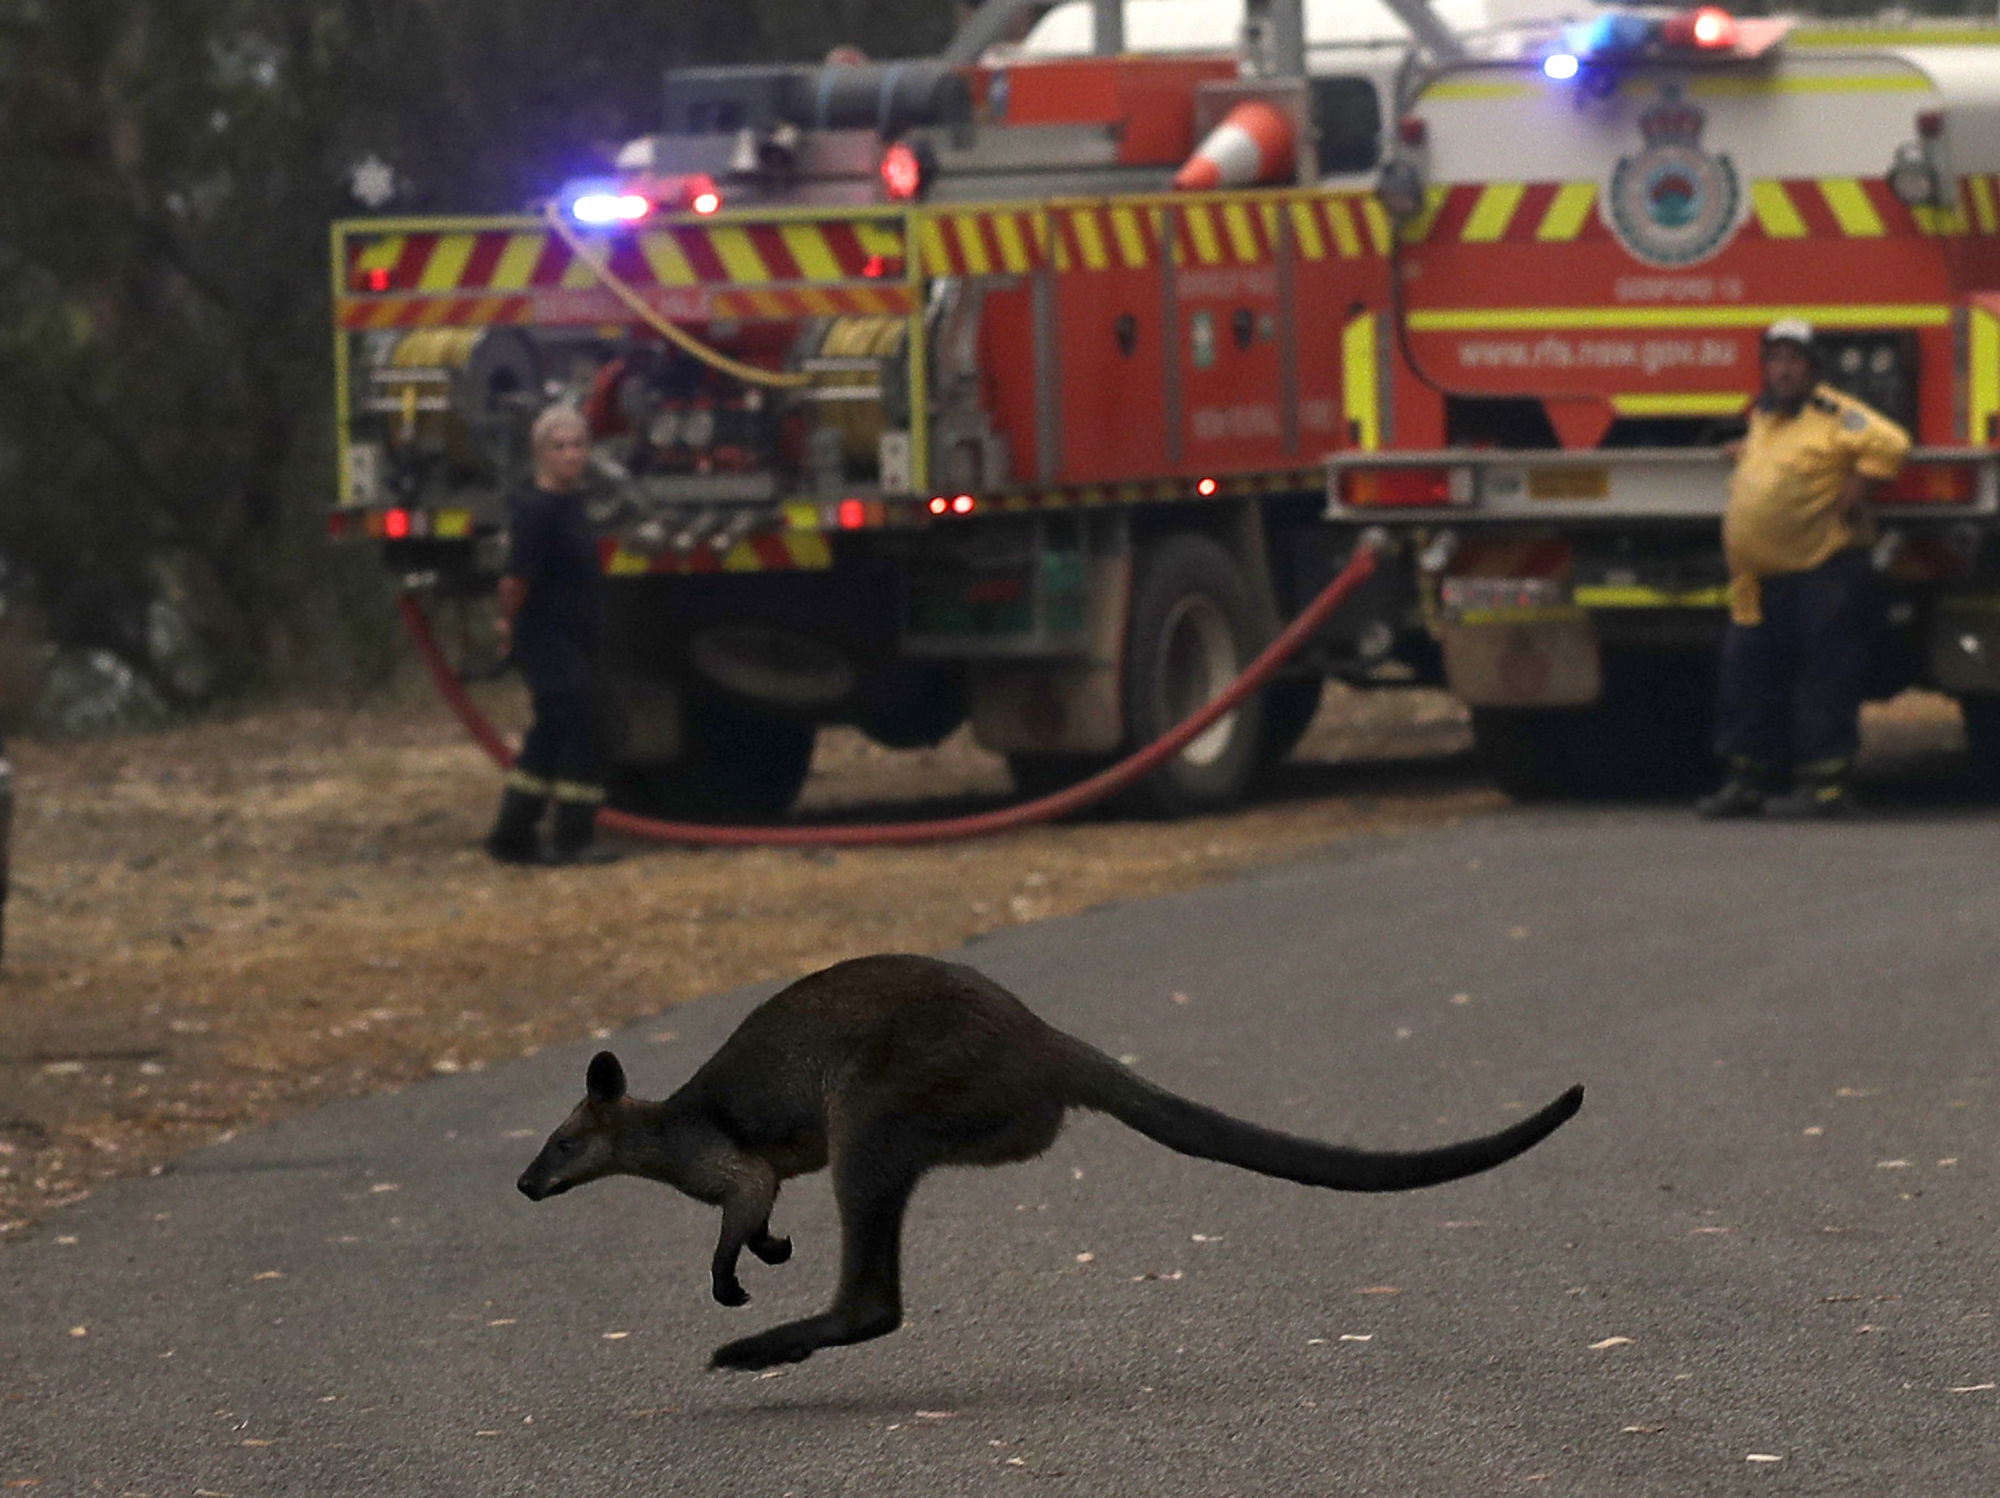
[[605, 1079]]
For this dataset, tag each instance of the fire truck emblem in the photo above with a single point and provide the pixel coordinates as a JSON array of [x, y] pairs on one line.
[[1673, 203]]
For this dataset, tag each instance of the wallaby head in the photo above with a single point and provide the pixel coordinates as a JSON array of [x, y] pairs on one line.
[[584, 1146]]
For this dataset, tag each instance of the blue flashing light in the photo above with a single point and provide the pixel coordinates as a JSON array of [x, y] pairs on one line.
[[608, 207], [1561, 66], [605, 201]]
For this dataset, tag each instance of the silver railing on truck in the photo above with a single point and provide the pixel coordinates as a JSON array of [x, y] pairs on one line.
[[1417, 486]]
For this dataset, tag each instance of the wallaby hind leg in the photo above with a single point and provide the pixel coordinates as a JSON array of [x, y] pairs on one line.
[[872, 1184]]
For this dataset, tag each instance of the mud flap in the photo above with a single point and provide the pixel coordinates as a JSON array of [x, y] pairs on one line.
[[1524, 661]]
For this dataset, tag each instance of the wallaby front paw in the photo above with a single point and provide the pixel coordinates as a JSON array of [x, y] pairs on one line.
[[731, 1293], [773, 1250]]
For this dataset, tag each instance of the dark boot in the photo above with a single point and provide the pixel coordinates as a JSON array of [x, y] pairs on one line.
[[514, 838], [1744, 793], [1818, 793], [571, 841]]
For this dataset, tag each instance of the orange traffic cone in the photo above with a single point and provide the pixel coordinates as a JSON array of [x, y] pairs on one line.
[[1252, 144]]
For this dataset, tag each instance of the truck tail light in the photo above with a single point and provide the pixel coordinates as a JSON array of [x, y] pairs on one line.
[[1933, 484], [907, 167], [1400, 488]]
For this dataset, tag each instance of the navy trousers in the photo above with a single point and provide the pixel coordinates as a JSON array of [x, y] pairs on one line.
[[1791, 686], [561, 750]]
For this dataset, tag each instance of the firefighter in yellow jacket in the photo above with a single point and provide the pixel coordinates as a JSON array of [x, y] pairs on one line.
[[1797, 533]]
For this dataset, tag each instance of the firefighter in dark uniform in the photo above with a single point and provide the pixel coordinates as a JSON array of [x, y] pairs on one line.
[[1797, 534], [548, 627]]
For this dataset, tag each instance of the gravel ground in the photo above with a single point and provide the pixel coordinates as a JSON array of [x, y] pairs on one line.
[[234, 921]]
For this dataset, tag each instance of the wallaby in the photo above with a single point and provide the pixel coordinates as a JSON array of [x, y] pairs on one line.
[[885, 1067]]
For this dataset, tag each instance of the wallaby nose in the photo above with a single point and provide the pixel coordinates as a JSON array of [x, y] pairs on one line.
[[529, 1187]]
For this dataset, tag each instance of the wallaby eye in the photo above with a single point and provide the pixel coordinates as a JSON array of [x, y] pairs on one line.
[[568, 1146]]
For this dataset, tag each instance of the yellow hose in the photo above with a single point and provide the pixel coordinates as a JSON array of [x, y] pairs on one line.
[[713, 357]]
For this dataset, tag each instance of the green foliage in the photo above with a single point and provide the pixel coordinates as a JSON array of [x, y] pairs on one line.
[[170, 171]]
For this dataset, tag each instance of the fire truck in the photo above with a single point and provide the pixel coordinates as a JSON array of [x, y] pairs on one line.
[[1039, 383]]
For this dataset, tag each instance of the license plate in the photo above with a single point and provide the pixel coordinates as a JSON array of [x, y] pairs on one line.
[[1569, 483]]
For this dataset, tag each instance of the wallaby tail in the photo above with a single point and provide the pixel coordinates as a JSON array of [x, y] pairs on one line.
[[1193, 1129]]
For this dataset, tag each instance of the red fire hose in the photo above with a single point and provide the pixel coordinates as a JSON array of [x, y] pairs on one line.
[[1084, 793]]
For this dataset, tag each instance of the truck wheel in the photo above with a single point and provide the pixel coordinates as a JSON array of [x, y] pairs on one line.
[[1194, 626], [1039, 775], [1526, 751], [1982, 740], [911, 704], [734, 762], [1289, 709], [1649, 735]]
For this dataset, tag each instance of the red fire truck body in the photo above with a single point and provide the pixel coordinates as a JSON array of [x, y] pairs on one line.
[[922, 394]]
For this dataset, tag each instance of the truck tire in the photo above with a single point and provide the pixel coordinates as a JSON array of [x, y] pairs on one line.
[[1526, 751], [1194, 626], [1648, 735], [911, 704], [735, 763], [1039, 775], [1289, 709], [1982, 740]]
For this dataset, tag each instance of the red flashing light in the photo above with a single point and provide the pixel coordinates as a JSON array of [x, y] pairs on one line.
[[1412, 131], [375, 279], [939, 505], [703, 196], [963, 504], [396, 524], [1205, 488], [852, 514], [1709, 28], [1714, 27], [1396, 488], [903, 171]]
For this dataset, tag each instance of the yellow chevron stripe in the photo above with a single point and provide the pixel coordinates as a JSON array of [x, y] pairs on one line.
[[971, 244], [1242, 237], [1843, 314], [809, 248], [739, 257], [1567, 213], [1419, 228], [933, 250], [1089, 239], [1015, 253], [1131, 237], [1775, 211], [577, 276], [1980, 188], [1201, 234], [1305, 231], [1856, 215], [517, 262], [879, 238], [664, 258], [1340, 219], [383, 253], [1492, 212], [446, 266], [1376, 217]]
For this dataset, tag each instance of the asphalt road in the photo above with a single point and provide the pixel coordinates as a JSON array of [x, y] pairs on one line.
[[1761, 1259]]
